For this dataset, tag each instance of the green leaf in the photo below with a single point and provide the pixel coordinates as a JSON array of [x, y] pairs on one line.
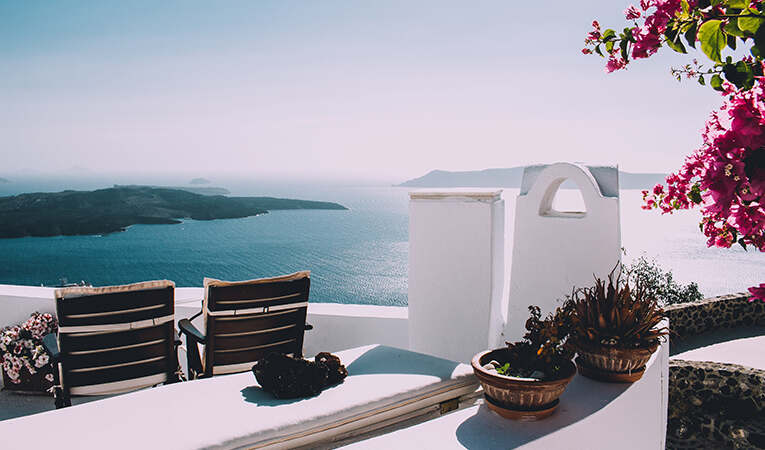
[[731, 41], [694, 194], [609, 46], [712, 39], [673, 41], [628, 34], [759, 43], [716, 82], [609, 33], [742, 4], [740, 74], [733, 29], [757, 70], [623, 47], [597, 50], [742, 244], [690, 35], [701, 80], [750, 24]]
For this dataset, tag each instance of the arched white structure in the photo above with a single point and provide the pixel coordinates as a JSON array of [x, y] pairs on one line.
[[554, 251]]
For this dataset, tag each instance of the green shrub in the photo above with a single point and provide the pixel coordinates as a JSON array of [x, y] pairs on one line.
[[660, 284]]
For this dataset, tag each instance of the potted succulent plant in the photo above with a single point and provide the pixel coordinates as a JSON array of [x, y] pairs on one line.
[[524, 380], [615, 328]]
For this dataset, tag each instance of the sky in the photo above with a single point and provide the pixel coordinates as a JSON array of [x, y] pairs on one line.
[[329, 89]]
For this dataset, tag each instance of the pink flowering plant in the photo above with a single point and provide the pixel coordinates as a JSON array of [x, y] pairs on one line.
[[22, 353], [725, 177]]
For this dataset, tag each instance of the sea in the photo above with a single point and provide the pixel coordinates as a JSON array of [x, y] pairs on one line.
[[357, 256]]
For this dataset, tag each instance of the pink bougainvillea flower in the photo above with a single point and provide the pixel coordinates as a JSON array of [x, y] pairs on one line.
[[758, 293], [615, 62], [632, 13], [646, 42]]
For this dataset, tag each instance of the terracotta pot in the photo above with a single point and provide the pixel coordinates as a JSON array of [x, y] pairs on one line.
[[519, 399], [612, 364]]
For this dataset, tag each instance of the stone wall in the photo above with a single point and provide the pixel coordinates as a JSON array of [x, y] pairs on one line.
[[715, 405], [725, 311]]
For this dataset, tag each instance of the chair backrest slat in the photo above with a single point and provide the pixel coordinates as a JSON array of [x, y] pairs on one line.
[[252, 355], [119, 307], [248, 320], [142, 368], [116, 339], [239, 341], [255, 322], [78, 342]]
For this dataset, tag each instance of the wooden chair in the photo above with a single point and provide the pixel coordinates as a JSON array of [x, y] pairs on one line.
[[113, 339], [245, 321]]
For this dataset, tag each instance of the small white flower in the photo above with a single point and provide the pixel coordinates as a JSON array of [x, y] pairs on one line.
[[49, 377], [41, 360]]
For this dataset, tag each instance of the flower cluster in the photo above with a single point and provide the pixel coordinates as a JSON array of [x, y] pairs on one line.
[[22, 353], [714, 24], [726, 175], [639, 41]]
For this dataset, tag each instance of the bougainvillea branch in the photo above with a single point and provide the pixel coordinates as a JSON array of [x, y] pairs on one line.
[[725, 177]]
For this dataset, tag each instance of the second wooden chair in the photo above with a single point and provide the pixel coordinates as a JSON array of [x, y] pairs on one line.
[[246, 320]]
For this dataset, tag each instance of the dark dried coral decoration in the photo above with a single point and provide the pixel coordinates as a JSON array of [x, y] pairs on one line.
[[289, 377]]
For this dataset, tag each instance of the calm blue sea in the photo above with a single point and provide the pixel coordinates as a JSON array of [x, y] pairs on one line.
[[355, 256]]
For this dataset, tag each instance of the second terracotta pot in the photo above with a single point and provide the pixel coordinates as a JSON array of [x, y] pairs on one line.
[[612, 364]]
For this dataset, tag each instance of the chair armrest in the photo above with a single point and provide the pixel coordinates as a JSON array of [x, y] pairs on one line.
[[51, 346], [191, 331], [308, 326]]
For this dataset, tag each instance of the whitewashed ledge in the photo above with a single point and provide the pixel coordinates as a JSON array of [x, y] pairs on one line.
[[385, 385], [591, 415]]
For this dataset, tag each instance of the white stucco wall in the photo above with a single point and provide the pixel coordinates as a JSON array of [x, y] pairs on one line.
[[456, 271]]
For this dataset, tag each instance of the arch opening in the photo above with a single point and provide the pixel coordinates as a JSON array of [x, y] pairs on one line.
[[563, 198]]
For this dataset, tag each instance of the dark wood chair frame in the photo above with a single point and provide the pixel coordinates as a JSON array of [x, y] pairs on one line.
[[62, 391], [263, 297]]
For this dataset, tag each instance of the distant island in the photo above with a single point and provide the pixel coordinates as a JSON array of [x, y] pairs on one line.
[[199, 181], [511, 178], [4, 180], [113, 209], [193, 189]]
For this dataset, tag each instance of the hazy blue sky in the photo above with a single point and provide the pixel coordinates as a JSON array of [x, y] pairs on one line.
[[361, 89]]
